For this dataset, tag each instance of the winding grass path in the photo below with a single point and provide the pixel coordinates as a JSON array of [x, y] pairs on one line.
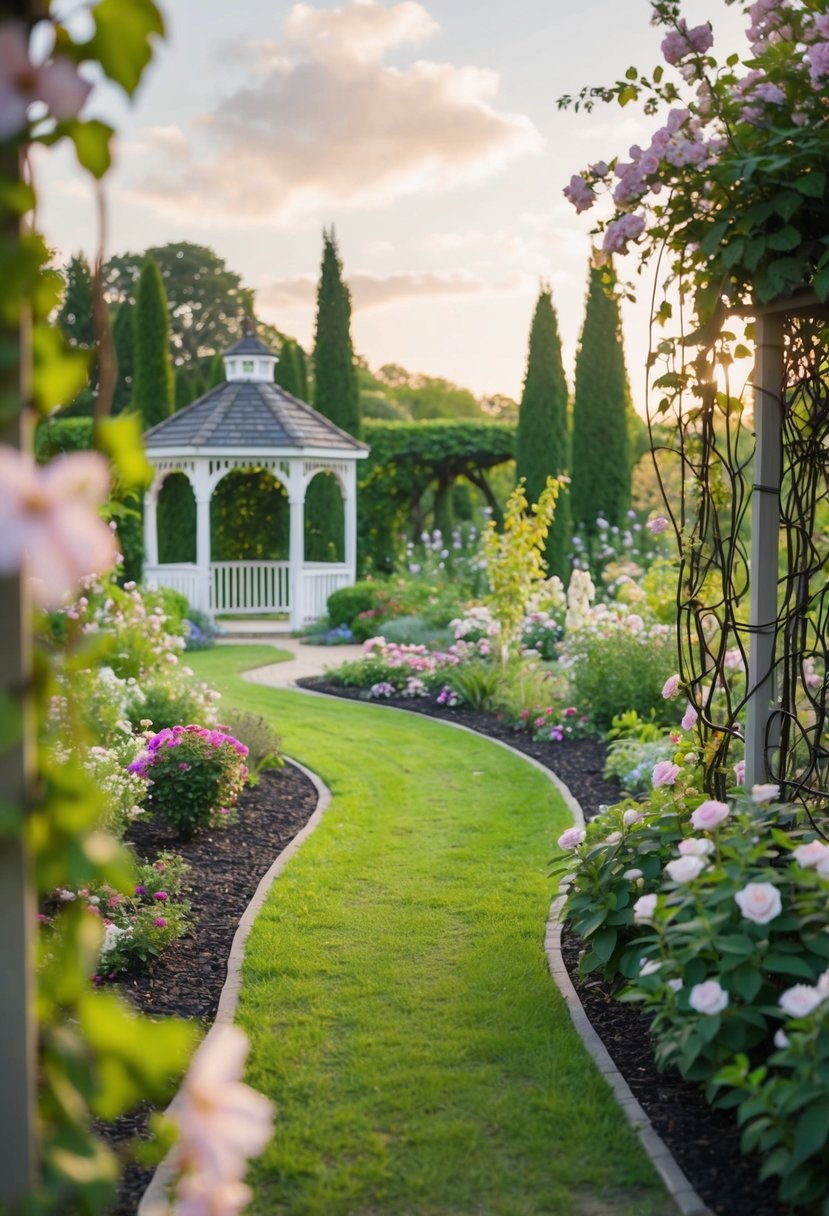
[[396, 989]]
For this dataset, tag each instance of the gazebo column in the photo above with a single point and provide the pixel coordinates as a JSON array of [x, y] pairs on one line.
[[151, 525], [765, 528], [296, 554], [203, 493], [350, 509]]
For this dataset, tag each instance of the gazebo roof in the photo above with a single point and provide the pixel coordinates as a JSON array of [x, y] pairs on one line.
[[250, 414], [249, 345]]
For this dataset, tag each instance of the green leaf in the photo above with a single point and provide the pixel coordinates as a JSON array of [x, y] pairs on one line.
[[604, 942], [121, 439], [746, 981], [788, 964], [628, 93], [786, 238], [122, 39], [811, 184], [820, 283], [59, 371], [91, 140]]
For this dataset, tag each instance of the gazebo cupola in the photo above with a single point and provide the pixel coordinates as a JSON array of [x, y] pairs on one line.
[[249, 359], [249, 424]]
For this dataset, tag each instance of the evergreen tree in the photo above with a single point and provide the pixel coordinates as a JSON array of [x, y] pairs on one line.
[[153, 377], [302, 374], [336, 392], [75, 316], [122, 338], [217, 370], [542, 448], [601, 454], [287, 372]]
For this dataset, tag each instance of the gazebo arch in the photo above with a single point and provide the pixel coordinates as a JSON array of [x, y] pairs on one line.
[[250, 423]]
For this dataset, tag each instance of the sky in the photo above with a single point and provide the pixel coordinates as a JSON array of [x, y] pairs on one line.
[[427, 133]]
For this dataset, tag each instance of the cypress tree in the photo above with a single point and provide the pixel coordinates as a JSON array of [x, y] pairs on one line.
[[302, 374], [153, 376], [217, 370], [601, 455], [286, 373], [122, 338], [542, 448], [336, 391]]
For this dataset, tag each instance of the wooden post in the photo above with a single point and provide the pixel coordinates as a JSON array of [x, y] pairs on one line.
[[765, 527]]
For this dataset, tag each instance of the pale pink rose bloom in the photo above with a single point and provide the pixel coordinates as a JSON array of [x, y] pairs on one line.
[[800, 1000], [822, 867], [664, 773], [693, 847], [630, 817], [644, 909], [48, 515], [709, 997], [632, 875], [709, 815], [55, 82], [811, 854], [675, 985], [740, 771], [613, 838], [764, 793], [759, 902], [685, 869], [221, 1121], [657, 526], [689, 718], [204, 1196], [670, 688], [781, 1039], [823, 984], [571, 839]]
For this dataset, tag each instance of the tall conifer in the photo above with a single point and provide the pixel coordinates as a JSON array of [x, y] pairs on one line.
[[336, 392], [122, 337], [287, 372], [601, 457], [153, 375], [542, 447]]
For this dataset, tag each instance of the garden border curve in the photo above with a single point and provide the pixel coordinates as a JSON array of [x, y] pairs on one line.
[[156, 1199], [680, 1190]]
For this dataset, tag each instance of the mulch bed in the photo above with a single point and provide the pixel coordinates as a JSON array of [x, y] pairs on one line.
[[705, 1142], [226, 868]]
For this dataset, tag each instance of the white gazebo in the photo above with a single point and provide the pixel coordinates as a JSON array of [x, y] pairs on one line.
[[251, 424]]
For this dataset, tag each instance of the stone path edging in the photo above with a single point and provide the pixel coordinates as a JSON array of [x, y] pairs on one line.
[[685, 1198], [156, 1201]]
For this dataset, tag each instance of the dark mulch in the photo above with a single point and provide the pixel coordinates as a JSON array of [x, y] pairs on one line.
[[226, 868], [704, 1141]]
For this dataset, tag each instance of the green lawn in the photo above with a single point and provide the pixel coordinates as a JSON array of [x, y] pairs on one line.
[[396, 989]]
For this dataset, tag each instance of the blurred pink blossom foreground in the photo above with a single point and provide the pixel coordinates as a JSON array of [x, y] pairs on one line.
[[49, 521], [222, 1122], [22, 82]]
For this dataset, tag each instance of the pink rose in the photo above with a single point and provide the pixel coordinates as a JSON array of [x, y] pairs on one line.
[[709, 815], [664, 773], [764, 793], [709, 997], [759, 902], [689, 718], [811, 854], [740, 771], [571, 839], [670, 688], [657, 526], [693, 847]]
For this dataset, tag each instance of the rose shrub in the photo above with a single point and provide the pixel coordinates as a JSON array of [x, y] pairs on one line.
[[193, 775]]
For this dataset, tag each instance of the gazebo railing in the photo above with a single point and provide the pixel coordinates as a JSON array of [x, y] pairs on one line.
[[249, 587], [178, 576], [319, 580]]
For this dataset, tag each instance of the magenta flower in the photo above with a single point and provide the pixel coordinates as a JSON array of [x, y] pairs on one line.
[[658, 525], [160, 922], [161, 896]]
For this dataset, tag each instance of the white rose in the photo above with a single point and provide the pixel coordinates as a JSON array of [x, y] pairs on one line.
[[571, 839], [781, 1039], [675, 985], [630, 817], [693, 847], [685, 869], [644, 909], [759, 902], [800, 1001], [633, 875], [764, 793], [709, 997], [811, 854]]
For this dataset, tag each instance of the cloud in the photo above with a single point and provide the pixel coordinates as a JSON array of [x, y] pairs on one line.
[[327, 122], [373, 291]]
